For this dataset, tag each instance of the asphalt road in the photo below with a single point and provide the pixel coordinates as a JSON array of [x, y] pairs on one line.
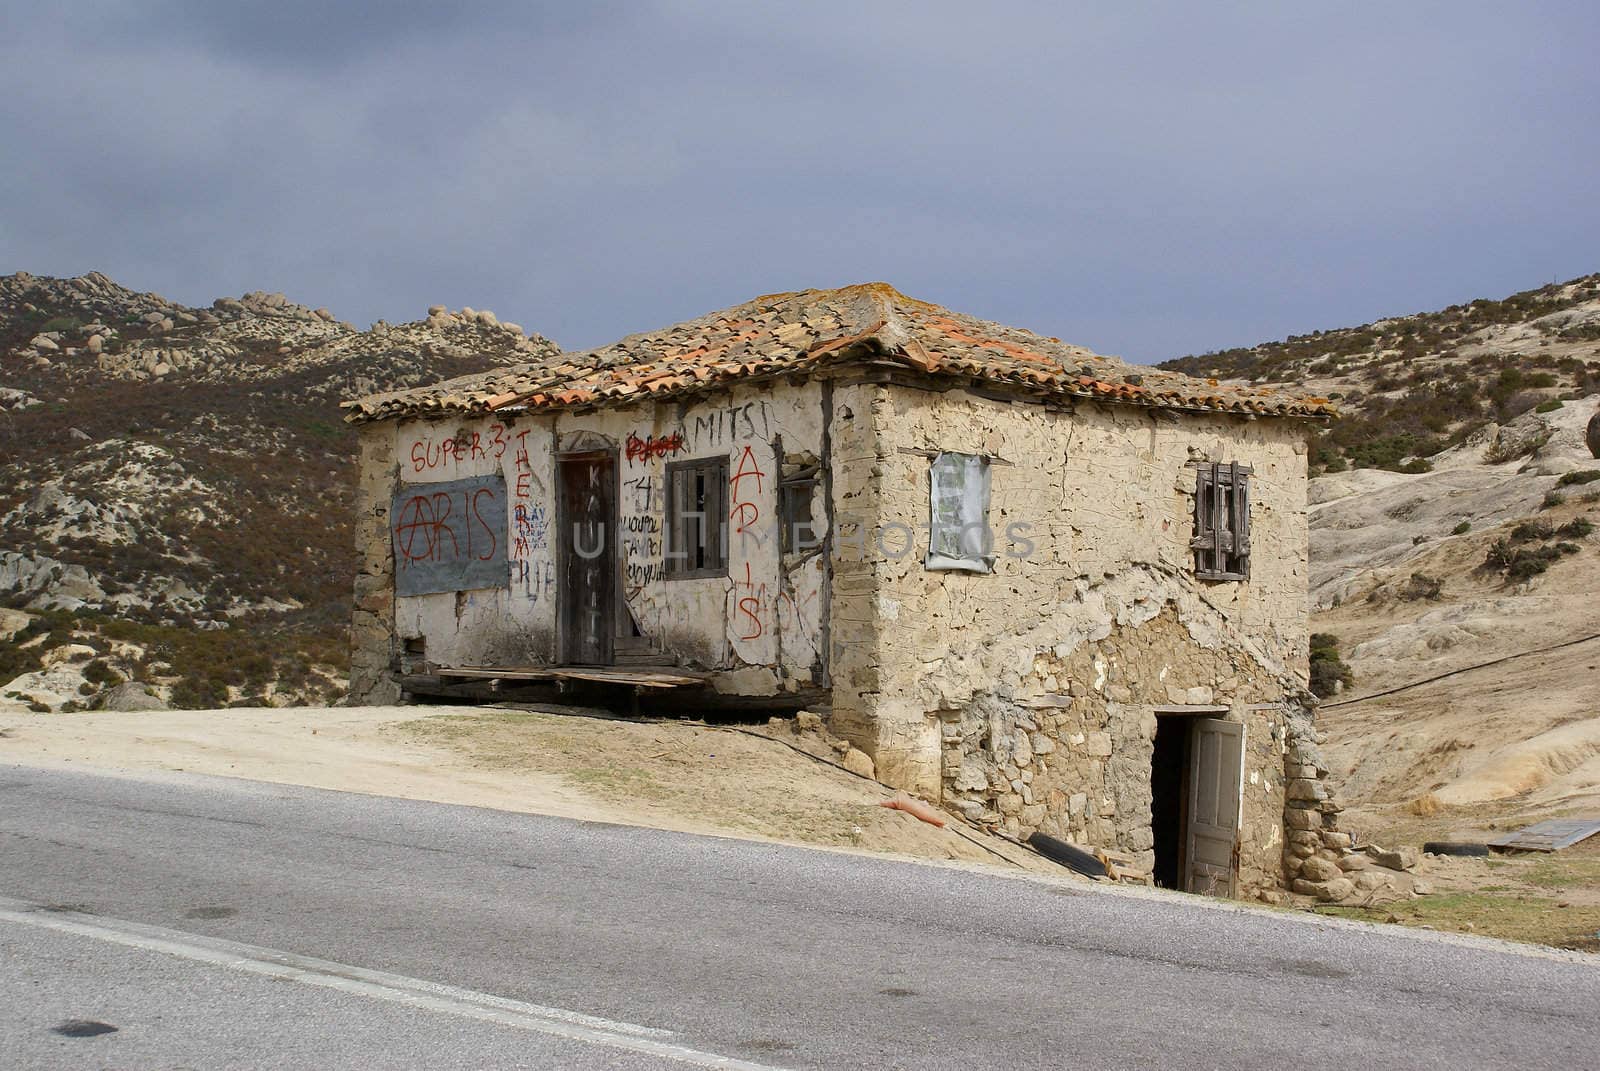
[[220, 923]]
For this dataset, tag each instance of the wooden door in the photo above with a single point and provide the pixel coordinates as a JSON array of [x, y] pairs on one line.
[[1216, 787], [587, 543]]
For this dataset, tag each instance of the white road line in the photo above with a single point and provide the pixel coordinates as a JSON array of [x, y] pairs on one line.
[[379, 985]]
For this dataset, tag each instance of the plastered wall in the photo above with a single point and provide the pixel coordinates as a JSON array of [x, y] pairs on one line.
[[763, 625]]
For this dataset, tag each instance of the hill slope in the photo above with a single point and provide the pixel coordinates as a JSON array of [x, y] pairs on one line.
[[1411, 386], [175, 482], [1453, 520]]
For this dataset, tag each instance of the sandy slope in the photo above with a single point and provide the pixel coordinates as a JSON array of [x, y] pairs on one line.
[[669, 774], [1503, 744]]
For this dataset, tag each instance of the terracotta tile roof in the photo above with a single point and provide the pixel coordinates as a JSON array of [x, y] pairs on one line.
[[804, 332]]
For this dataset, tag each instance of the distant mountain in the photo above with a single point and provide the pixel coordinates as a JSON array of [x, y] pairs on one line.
[[176, 484]]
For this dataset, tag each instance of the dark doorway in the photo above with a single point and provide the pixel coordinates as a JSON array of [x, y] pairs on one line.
[[1169, 777], [586, 539]]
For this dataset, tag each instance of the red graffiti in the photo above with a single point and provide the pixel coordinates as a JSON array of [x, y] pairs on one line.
[[638, 449], [749, 606], [749, 469], [428, 453], [425, 524]]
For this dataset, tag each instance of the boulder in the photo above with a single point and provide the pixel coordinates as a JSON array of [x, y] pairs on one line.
[[67, 653], [859, 762], [1368, 880], [1592, 437], [129, 696]]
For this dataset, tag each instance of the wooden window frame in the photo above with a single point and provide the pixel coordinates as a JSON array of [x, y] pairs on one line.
[[709, 554], [1221, 540]]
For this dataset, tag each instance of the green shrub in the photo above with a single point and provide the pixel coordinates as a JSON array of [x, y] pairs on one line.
[[1462, 529], [1576, 529], [1421, 586], [1552, 500], [1528, 531], [1579, 478], [97, 672], [1548, 407], [1329, 672], [1526, 564]]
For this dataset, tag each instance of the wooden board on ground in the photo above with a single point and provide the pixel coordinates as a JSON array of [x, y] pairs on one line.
[[639, 676]]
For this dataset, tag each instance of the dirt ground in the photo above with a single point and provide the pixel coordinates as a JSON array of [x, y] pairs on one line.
[[680, 775], [1548, 898]]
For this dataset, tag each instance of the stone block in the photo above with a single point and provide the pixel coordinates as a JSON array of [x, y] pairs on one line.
[[1302, 818], [1305, 788], [1332, 892], [1318, 869], [1398, 859]]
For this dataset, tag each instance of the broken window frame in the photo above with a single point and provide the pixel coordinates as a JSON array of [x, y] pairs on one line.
[[958, 509], [1221, 542], [697, 513], [796, 493]]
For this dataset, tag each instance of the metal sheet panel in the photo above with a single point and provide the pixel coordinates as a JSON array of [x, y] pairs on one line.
[[450, 536], [1549, 836]]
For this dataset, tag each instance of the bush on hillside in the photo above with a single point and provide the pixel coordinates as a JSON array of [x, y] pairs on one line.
[[1330, 674]]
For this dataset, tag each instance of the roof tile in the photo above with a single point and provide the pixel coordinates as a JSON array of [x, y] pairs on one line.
[[803, 332]]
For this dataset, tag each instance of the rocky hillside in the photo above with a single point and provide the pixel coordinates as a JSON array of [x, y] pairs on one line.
[[1412, 386], [174, 505], [1454, 519]]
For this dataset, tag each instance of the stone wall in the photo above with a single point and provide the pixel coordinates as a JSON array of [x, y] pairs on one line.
[[372, 627], [1028, 696]]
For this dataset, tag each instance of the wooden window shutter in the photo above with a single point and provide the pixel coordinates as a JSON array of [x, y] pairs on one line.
[[716, 522], [1222, 521], [676, 544], [1219, 520], [1241, 522]]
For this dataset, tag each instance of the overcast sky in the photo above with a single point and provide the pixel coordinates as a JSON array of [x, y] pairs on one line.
[[1145, 179]]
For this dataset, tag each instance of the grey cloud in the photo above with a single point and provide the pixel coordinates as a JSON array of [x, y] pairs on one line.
[[1147, 180]]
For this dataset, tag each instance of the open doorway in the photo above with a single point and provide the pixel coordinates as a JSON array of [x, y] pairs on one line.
[[1169, 781], [1196, 785]]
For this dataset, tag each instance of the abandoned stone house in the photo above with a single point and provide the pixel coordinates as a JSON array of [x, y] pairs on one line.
[[1047, 589]]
